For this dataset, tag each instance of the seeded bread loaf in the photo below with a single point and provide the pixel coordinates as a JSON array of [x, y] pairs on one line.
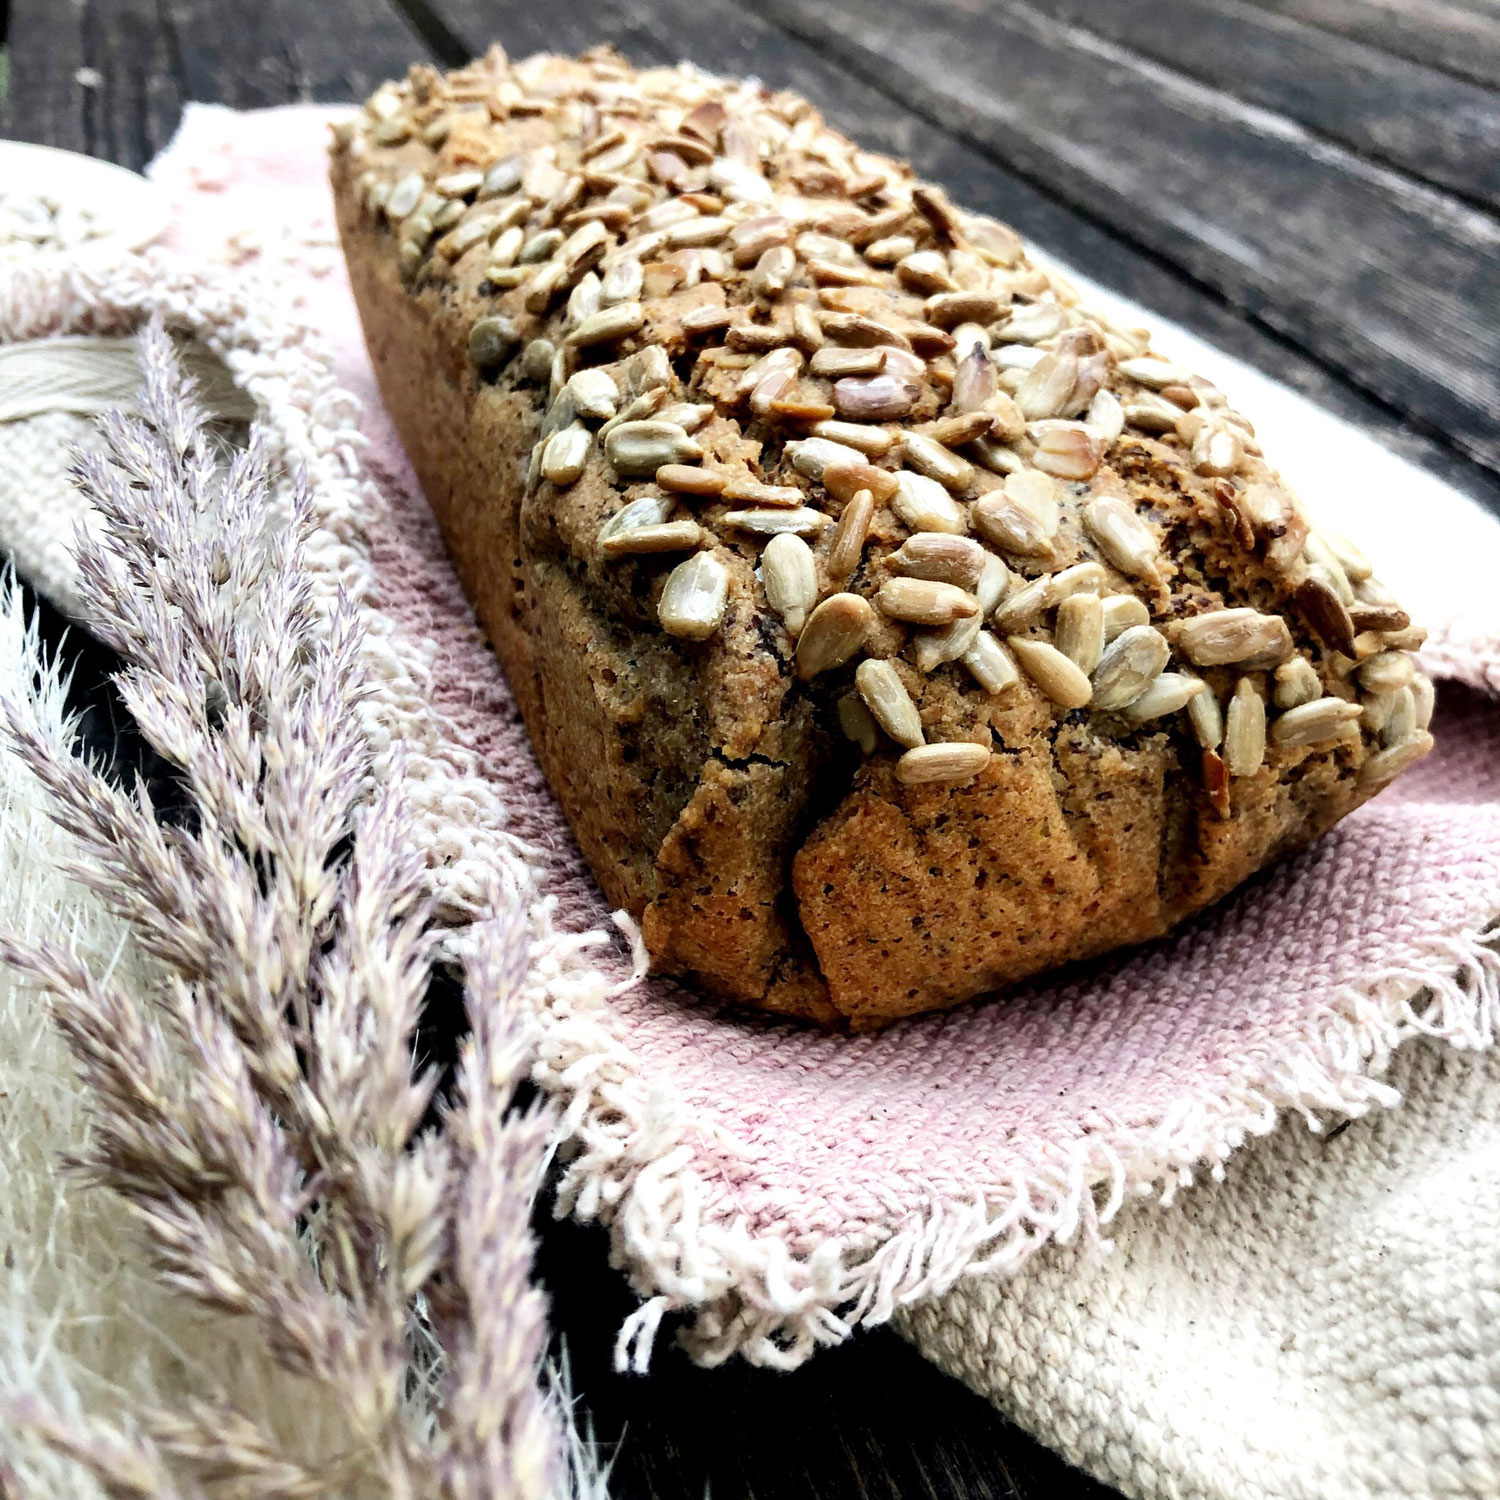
[[889, 626]]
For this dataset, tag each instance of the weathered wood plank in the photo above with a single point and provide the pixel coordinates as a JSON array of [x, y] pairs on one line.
[[1385, 279], [1460, 36], [1417, 118], [145, 59], [728, 37]]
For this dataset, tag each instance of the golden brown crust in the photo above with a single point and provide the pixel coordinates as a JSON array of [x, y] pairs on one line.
[[1014, 802]]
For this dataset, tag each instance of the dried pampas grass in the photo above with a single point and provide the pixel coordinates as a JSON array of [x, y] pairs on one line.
[[271, 1275]]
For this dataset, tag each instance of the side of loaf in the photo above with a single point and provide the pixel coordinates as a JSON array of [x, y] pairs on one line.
[[889, 626]]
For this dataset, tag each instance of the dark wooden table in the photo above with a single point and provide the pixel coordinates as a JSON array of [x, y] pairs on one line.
[[1314, 184]]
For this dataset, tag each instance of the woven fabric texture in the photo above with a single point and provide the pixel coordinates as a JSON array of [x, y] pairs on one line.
[[775, 1187]]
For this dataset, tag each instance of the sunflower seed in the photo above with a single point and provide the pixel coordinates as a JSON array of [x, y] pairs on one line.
[[936, 462], [1386, 672], [1047, 387], [931, 648], [789, 573], [685, 415], [834, 631], [773, 271], [608, 326], [1217, 451], [1016, 357], [1068, 451], [886, 697], [1149, 413], [502, 178], [1079, 631], [922, 504], [1245, 730], [1035, 322], [990, 664], [952, 309], [871, 441], [1401, 721], [942, 765], [622, 283], [670, 536], [540, 247], [1129, 665], [958, 560], [1081, 578], [685, 479], [1126, 540], [745, 489], [566, 455], [1121, 611], [492, 340], [1153, 372], [925, 271], [1311, 723], [847, 547], [1243, 636], [504, 251], [1023, 605], [812, 456], [1022, 516], [1105, 419], [1297, 682], [1424, 698], [1170, 692], [874, 398], [833, 361], [639, 449], [694, 597], [779, 372], [650, 510], [1057, 677], [1355, 564], [923, 601], [405, 195], [1384, 765], [594, 393], [1206, 718], [1327, 615], [802, 521], [975, 381], [639, 409], [993, 584]]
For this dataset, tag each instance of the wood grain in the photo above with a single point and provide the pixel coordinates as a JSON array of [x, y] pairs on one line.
[[1459, 36], [1385, 279], [1416, 118]]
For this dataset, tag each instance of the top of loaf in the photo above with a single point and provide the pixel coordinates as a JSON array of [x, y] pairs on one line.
[[822, 396]]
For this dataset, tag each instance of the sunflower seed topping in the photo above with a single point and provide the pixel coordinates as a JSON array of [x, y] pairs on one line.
[[885, 695], [1384, 765], [789, 573], [1130, 663], [670, 536], [801, 521], [1060, 679], [650, 510], [812, 456], [936, 461], [1242, 636], [1424, 698], [686, 479], [1023, 605], [847, 548], [922, 504], [834, 631], [1401, 721], [942, 765], [1022, 516], [1153, 372], [1386, 672], [874, 398], [990, 664], [1068, 451], [566, 454], [1127, 542], [639, 449], [405, 195], [1206, 718], [1168, 693], [694, 597], [871, 441], [1311, 723], [858, 724], [1121, 611], [1079, 632], [958, 560], [595, 394], [922, 601], [1297, 682], [609, 325], [1245, 730]]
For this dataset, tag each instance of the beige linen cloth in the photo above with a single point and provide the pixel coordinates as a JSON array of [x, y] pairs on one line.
[[1320, 1323]]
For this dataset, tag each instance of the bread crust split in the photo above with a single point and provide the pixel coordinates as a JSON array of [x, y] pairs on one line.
[[890, 627]]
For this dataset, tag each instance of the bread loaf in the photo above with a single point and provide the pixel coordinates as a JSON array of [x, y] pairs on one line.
[[890, 626]]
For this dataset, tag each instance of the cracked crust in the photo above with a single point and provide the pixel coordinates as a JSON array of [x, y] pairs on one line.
[[711, 790]]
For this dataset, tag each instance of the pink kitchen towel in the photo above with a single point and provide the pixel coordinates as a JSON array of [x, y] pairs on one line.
[[770, 1188]]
